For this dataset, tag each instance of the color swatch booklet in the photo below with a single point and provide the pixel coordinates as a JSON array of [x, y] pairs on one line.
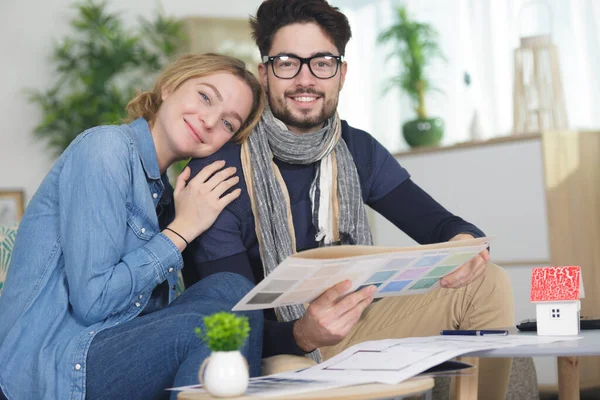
[[396, 271]]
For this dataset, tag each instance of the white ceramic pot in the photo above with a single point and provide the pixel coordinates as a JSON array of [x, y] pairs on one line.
[[224, 374]]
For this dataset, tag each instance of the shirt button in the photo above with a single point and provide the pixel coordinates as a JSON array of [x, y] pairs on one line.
[[137, 304], [91, 332], [77, 367], [170, 269], [143, 230], [154, 195], [140, 296]]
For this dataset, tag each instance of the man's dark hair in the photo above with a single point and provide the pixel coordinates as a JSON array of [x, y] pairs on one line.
[[273, 15]]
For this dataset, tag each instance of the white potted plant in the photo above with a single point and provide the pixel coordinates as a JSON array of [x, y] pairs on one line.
[[225, 373]]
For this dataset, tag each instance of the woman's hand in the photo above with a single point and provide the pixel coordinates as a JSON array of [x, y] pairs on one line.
[[198, 204]]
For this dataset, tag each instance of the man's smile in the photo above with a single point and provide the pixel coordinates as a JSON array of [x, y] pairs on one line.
[[305, 100]]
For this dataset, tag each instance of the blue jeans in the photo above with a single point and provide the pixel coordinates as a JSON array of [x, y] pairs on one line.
[[142, 357]]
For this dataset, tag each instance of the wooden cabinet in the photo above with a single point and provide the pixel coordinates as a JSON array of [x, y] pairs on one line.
[[539, 195]]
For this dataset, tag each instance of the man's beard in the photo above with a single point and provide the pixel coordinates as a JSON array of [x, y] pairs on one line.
[[306, 122]]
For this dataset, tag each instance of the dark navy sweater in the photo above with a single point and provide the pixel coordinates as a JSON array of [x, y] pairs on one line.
[[231, 243]]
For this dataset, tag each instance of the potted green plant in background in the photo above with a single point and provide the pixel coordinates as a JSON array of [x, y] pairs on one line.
[[99, 67], [225, 373], [415, 45]]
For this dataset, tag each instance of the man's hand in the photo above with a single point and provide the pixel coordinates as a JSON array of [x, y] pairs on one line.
[[331, 316], [468, 272]]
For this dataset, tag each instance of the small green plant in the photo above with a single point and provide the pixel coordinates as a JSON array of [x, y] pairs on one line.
[[415, 45], [224, 331]]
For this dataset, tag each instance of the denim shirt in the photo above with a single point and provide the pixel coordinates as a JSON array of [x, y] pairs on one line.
[[87, 257]]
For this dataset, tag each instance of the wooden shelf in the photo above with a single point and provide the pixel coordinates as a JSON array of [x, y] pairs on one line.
[[466, 145]]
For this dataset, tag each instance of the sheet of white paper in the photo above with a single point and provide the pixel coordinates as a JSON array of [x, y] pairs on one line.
[[382, 361], [395, 271], [402, 359]]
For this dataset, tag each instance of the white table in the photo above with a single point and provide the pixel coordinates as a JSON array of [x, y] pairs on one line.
[[568, 362]]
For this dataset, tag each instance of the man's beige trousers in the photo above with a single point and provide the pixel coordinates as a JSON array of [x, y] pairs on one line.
[[485, 303]]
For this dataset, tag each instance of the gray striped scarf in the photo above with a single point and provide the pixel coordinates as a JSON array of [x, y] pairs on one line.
[[338, 211]]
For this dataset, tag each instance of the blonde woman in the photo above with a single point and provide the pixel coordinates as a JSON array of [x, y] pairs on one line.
[[86, 311]]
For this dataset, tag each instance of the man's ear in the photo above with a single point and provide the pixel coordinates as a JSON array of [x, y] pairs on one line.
[[262, 73], [343, 71]]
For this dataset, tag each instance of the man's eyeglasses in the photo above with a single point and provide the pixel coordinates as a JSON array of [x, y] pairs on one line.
[[288, 66]]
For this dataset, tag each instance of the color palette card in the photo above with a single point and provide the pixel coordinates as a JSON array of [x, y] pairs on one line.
[[396, 271]]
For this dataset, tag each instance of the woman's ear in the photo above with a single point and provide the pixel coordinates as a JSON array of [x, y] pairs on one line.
[[164, 92]]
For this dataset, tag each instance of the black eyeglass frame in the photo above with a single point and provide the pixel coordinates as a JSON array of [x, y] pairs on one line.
[[306, 60]]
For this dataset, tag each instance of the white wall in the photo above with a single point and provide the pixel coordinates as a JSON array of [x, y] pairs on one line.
[[26, 41]]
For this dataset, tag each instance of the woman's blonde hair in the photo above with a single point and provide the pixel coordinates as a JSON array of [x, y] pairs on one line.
[[146, 104]]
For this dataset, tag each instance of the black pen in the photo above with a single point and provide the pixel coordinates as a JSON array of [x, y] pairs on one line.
[[479, 332]]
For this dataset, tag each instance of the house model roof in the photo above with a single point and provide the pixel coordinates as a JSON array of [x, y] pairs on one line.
[[555, 284]]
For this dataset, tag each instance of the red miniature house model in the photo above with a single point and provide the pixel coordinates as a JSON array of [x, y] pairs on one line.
[[556, 292]]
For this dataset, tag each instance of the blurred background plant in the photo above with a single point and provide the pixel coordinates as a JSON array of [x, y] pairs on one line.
[[415, 45], [99, 68]]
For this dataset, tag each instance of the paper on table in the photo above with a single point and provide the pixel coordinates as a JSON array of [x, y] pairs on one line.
[[395, 271], [383, 361], [393, 361]]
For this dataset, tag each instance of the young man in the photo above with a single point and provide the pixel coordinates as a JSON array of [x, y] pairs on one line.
[[306, 177]]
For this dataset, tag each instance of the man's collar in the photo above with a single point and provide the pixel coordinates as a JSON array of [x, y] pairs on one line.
[[145, 145]]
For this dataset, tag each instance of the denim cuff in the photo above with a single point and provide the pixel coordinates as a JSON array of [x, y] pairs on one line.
[[167, 255]]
